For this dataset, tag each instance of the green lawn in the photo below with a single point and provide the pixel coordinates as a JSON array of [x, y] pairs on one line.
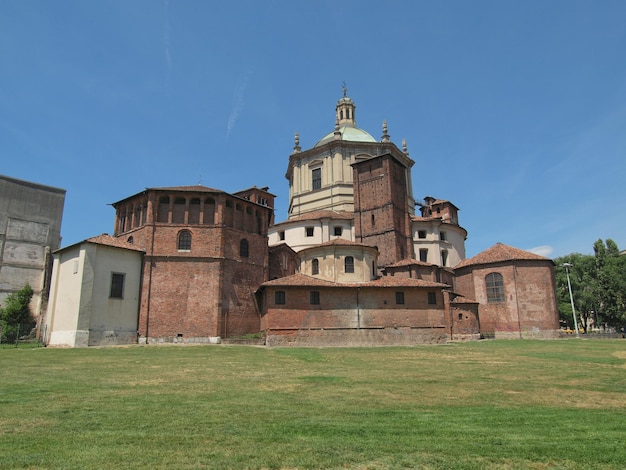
[[490, 404]]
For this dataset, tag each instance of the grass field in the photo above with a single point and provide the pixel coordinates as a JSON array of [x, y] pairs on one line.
[[490, 404]]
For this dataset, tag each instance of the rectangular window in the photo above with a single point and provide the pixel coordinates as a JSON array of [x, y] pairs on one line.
[[309, 231], [281, 235], [279, 297], [117, 286], [349, 264], [400, 298], [421, 234], [338, 230], [442, 236], [315, 297], [424, 255], [432, 298], [444, 257], [495, 288], [316, 176]]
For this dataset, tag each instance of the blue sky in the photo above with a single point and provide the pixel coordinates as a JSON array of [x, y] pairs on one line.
[[513, 110]]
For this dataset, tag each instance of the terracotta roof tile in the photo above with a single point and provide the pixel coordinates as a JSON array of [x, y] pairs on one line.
[[197, 188], [410, 262], [302, 280], [499, 253], [108, 240], [459, 299], [299, 280]]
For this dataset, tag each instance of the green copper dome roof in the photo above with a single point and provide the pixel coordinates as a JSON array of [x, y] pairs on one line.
[[348, 133]]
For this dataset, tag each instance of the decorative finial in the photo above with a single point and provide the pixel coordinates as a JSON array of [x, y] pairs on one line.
[[296, 147], [385, 137], [345, 89], [404, 147], [337, 132]]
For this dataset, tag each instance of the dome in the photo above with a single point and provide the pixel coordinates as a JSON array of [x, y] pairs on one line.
[[348, 133]]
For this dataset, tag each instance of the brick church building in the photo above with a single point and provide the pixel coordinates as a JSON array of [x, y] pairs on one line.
[[353, 264]]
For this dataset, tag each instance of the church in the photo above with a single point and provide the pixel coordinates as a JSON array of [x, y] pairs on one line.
[[358, 262]]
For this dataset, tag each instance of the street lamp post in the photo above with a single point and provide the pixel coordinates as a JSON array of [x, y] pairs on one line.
[[571, 298]]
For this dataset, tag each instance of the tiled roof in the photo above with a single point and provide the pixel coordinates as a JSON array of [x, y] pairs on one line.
[[409, 262], [459, 299], [499, 253], [302, 280], [281, 246], [392, 281], [196, 188], [108, 240], [299, 280]]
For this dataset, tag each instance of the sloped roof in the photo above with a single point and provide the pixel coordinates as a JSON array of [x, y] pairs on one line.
[[198, 187], [303, 280], [281, 246], [499, 253], [410, 262], [108, 240], [459, 299], [299, 280]]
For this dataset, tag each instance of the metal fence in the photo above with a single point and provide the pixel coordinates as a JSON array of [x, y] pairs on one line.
[[18, 333]]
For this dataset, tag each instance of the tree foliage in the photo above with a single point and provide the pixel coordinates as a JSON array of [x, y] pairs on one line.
[[16, 315], [598, 287]]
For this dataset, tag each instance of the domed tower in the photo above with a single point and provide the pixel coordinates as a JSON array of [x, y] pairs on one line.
[[321, 178], [350, 186]]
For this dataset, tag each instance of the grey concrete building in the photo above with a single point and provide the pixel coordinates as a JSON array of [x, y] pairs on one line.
[[30, 229]]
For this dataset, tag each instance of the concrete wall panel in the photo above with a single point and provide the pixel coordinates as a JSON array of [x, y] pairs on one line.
[[26, 254], [27, 231]]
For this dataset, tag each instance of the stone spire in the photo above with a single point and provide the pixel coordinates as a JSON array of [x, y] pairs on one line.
[[337, 132], [296, 147], [385, 137]]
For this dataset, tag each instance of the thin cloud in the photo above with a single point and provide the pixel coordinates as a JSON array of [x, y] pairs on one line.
[[238, 102], [543, 250]]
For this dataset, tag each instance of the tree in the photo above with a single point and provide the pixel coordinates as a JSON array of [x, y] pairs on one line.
[[16, 315], [611, 282], [582, 275], [598, 286]]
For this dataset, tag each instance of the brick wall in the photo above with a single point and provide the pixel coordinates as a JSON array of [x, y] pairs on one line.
[[352, 308], [529, 308], [380, 203], [205, 291]]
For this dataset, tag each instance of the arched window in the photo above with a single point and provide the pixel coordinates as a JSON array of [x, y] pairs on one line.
[[315, 266], [243, 248], [164, 209], [349, 264], [178, 210], [184, 240], [131, 240], [495, 288], [194, 211]]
